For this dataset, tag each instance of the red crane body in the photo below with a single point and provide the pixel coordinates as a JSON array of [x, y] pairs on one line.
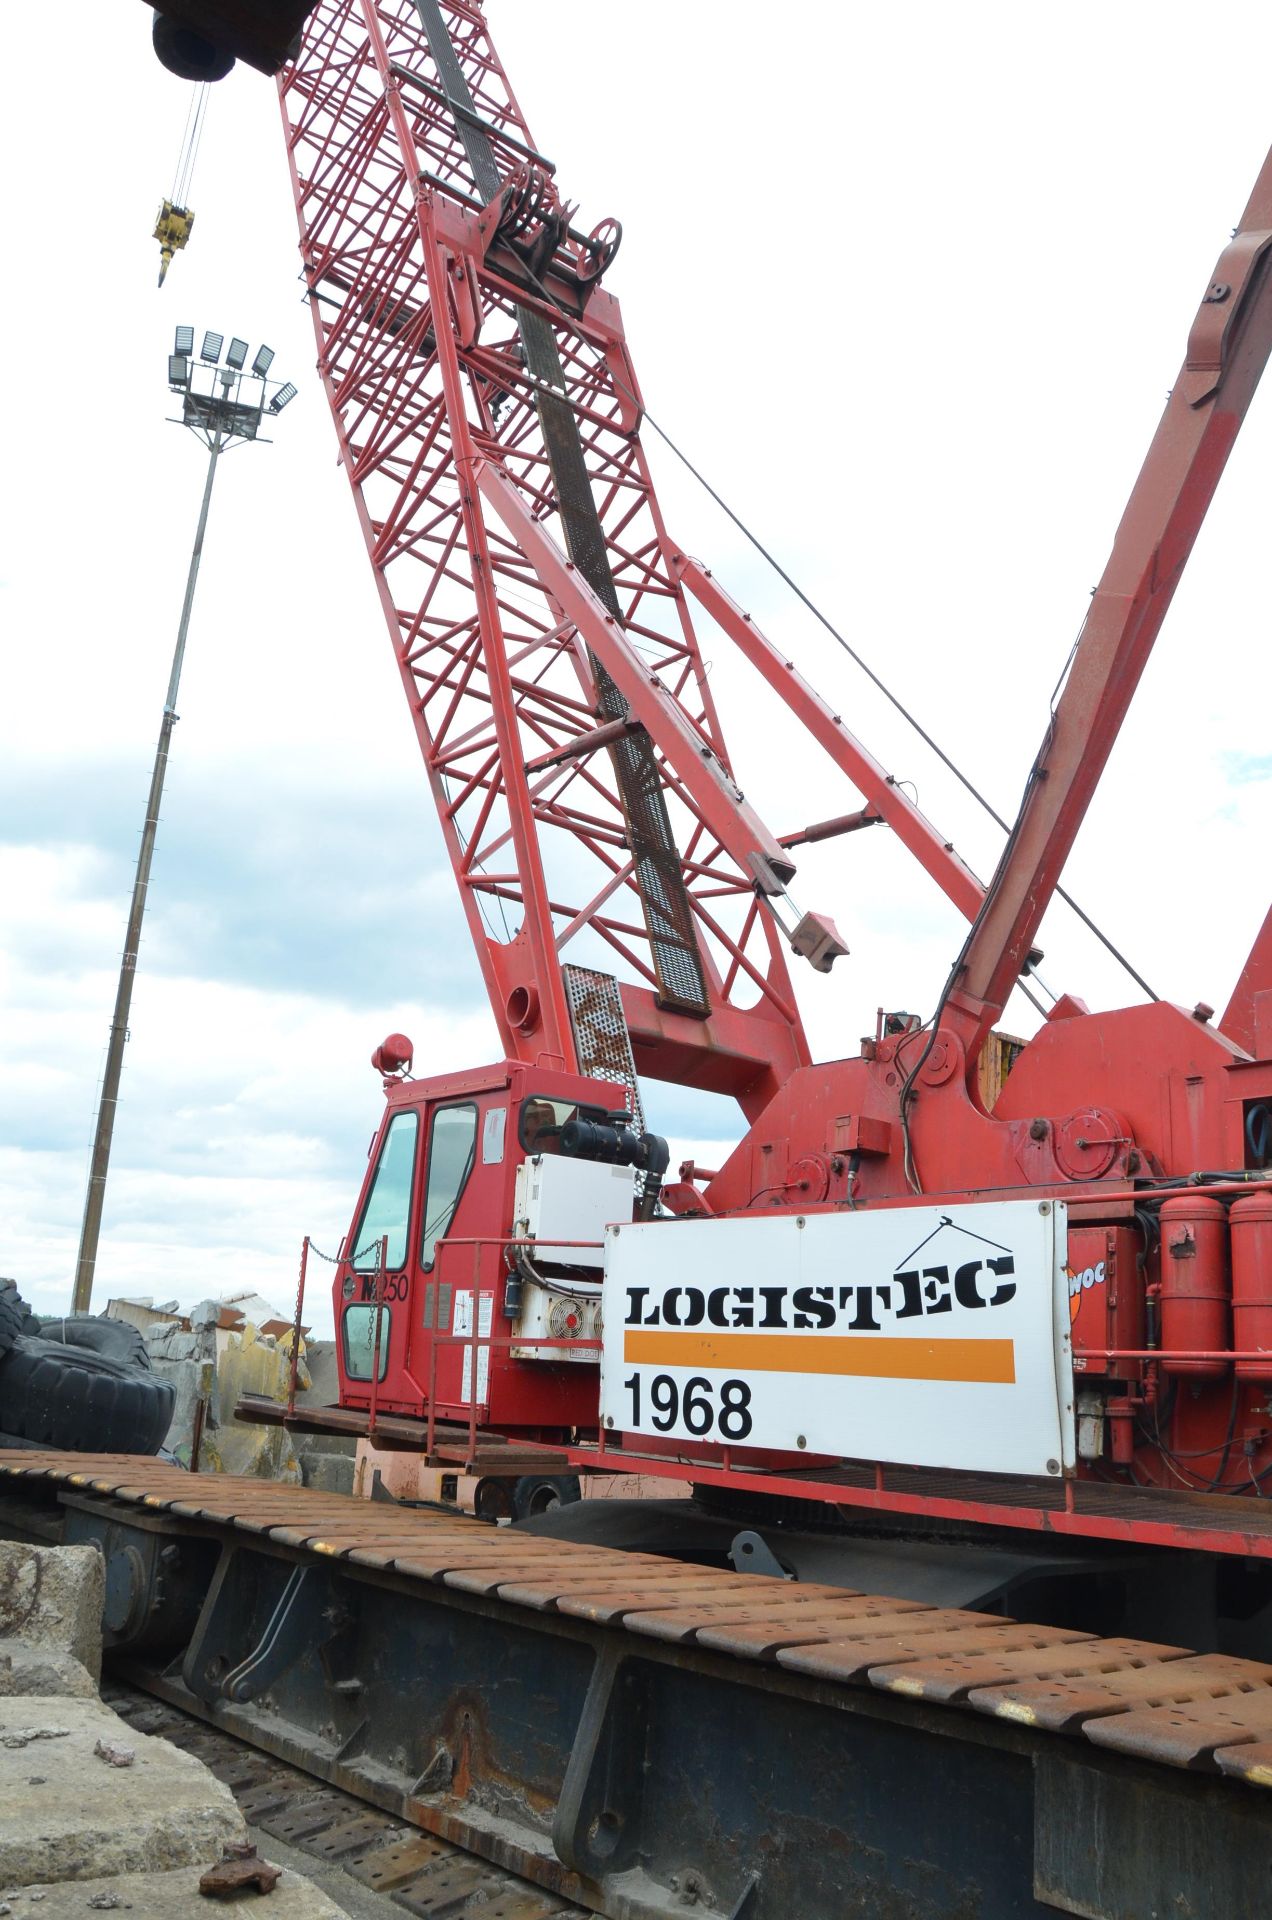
[[489, 420]]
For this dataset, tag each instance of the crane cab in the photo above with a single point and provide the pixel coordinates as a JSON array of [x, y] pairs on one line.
[[475, 1241]]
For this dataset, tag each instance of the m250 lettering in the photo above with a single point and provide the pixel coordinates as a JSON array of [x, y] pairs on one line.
[[394, 1288]]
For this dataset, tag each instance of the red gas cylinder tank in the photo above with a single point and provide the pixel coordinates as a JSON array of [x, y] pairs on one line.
[[1250, 1223], [1196, 1291]]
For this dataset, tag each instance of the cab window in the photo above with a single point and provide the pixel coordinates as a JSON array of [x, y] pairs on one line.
[[540, 1122], [358, 1327], [388, 1208], [450, 1161]]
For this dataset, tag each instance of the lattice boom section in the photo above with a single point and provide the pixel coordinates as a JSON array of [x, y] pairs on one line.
[[422, 346]]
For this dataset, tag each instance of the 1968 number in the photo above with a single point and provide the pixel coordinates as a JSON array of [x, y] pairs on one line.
[[694, 1406]]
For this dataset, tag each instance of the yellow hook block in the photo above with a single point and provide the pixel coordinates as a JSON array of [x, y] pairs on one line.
[[172, 230]]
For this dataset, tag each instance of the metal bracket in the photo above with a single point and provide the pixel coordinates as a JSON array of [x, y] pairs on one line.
[[284, 1639], [751, 1553], [299, 1620], [747, 1899], [437, 1775], [597, 1826]]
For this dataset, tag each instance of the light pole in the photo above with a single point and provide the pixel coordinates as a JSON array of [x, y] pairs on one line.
[[221, 404]]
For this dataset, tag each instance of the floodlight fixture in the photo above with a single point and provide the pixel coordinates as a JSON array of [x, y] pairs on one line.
[[211, 348], [237, 355], [263, 362], [178, 370], [283, 397], [184, 342]]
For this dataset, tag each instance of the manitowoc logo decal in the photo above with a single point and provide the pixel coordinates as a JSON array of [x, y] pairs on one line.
[[951, 1278], [1081, 1280]]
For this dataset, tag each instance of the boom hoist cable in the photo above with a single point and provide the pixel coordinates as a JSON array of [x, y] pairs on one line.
[[888, 693], [176, 218], [876, 680]]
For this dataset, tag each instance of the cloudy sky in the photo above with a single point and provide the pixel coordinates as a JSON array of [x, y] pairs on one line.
[[909, 286]]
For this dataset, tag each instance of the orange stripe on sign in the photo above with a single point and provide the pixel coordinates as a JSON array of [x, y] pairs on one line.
[[992, 1362]]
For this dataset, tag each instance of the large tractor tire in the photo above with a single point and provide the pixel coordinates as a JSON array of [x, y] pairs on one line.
[[15, 1315], [115, 1338], [73, 1399]]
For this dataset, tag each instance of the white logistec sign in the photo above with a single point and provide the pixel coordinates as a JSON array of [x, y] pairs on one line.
[[922, 1336]]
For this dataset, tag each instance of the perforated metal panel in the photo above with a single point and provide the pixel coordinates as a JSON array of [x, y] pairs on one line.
[[600, 1032]]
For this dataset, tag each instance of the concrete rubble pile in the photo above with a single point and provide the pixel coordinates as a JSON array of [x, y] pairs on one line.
[[221, 1349], [95, 1817]]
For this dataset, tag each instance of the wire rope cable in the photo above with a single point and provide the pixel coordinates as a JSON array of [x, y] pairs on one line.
[[191, 140], [930, 1027], [823, 619], [893, 699]]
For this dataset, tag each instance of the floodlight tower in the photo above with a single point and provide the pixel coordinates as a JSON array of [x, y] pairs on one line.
[[221, 404]]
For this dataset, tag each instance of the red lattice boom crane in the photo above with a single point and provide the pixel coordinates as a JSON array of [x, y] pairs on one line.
[[917, 1284], [958, 1357]]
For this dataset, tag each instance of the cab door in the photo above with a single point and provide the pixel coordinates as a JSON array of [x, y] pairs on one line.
[[462, 1199], [385, 1215]]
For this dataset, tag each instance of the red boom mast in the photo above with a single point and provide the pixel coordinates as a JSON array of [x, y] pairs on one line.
[[489, 419]]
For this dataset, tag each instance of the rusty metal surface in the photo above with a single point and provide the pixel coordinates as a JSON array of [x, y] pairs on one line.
[[949, 1676], [239, 1870], [894, 1637], [452, 1443], [414, 1872], [1251, 1762], [1179, 1686], [1159, 1703]]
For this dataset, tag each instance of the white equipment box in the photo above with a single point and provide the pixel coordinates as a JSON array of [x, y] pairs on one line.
[[912, 1335], [560, 1200]]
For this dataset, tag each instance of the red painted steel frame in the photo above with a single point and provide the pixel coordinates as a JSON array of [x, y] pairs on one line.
[[498, 637], [1228, 348], [529, 670], [893, 804], [1203, 1524], [1248, 1018], [418, 347]]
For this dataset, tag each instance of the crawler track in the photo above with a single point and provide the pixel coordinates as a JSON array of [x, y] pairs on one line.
[[1155, 1702], [633, 1734]]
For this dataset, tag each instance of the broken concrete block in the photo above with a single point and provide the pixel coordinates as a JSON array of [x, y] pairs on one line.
[[332, 1472], [52, 1597], [174, 1343], [43, 1670], [161, 1896], [66, 1816]]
